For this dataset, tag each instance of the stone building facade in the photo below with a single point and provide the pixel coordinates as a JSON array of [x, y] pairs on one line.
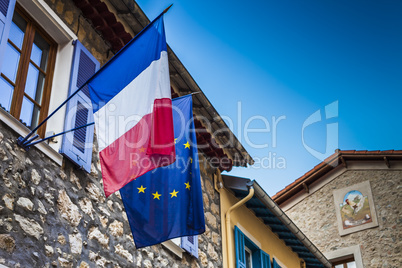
[[55, 214], [314, 200]]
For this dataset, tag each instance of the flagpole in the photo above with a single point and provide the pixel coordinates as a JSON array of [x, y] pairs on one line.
[[191, 94], [28, 144], [166, 9], [23, 141]]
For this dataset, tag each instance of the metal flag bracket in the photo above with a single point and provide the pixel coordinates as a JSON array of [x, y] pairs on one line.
[[26, 144]]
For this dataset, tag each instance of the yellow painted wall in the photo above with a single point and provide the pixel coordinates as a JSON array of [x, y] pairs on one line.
[[255, 230]]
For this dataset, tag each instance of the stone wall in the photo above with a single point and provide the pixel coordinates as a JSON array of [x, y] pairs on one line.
[[52, 216], [380, 246], [59, 216]]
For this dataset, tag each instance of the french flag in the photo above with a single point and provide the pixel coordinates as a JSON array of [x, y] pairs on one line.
[[132, 107]]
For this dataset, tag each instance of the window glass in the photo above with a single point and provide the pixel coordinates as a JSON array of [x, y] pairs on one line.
[[29, 55], [12, 57], [40, 51], [6, 94], [27, 112], [32, 81], [248, 258], [17, 30], [36, 54], [13, 49], [351, 264], [34, 84], [9, 70]]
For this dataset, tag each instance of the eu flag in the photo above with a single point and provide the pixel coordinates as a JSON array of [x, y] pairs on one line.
[[167, 202]]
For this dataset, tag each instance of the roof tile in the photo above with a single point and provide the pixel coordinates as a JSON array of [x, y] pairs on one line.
[[310, 174]]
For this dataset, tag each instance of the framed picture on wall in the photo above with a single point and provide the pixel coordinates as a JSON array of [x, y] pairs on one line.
[[355, 210]]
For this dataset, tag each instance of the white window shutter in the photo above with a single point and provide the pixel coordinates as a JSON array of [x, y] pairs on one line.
[[77, 145], [190, 244]]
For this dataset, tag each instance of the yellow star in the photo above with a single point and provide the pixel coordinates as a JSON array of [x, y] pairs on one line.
[[174, 193], [156, 195], [141, 189], [133, 163], [175, 141], [142, 149], [186, 145], [191, 160], [187, 185]]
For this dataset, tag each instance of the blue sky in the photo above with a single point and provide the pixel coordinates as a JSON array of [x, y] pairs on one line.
[[285, 60]]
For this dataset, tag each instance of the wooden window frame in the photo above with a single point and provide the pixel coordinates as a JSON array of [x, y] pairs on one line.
[[23, 66], [344, 262]]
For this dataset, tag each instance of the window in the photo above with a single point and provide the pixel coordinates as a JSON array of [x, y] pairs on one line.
[[275, 264], [249, 261], [180, 244], [249, 254], [347, 263], [27, 71], [190, 244], [349, 257]]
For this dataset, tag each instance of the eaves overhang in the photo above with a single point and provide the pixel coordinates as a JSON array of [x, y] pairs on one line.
[[339, 159], [117, 21], [273, 217]]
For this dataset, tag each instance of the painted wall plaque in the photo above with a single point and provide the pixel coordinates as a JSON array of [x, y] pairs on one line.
[[355, 208]]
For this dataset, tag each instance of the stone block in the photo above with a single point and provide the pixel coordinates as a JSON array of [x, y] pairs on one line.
[[103, 239], [35, 177], [116, 228], [25, 203], [95, 193], [75, 243], [68, 210], [9, 201], [29, 226], [211, 220], [7, 243], [61, 239], [49, 250], [215, 209], [86, 207], [118, 249]]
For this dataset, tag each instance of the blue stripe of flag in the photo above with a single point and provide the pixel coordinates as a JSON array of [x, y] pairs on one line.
[[127, 64]]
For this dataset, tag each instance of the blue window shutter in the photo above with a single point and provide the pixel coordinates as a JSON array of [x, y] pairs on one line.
[[265, 260], [77, 145], [240, 251], [190, 244], [6, 16], [275, 264]]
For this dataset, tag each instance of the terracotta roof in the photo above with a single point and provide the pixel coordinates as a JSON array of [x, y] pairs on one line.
[[331, 162]]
